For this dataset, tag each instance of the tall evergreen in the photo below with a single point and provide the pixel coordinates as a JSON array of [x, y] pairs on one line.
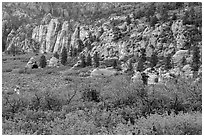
[[88, 60], [96, 59], [196, 59], [56, 55], [42, 62], [153, 60], [64, 56], [168, 64]]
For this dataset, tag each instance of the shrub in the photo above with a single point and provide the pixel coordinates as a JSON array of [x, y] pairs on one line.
[[43, 61], [64, 56], [90, 94]]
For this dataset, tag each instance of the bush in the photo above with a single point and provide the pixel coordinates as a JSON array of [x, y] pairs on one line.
[[90, 94], [43, 61]]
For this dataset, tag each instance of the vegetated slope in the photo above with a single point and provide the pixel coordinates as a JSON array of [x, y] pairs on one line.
[[54, 101]]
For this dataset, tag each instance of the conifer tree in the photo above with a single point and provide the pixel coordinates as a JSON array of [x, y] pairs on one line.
[[96, 60], [42, 62], [168, 64], [56, 55], [196, 59], [64, 56], [88, 60], [82, 58], [153, 60]]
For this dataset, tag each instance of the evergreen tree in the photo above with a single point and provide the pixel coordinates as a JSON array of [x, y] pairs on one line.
[[115, 64], [168, 64], [42, 62], [56, 55], [128, 20], [82, 58], [196, 59], [153, 60], [153, 21], [183, 62], [96, 60], [88, 60], [71, 51], [64, 56], [140, 65]]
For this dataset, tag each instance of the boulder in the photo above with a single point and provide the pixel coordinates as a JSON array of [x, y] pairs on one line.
[[178, 56], [137, 78], [103, 72], [153, 79], [32, 63], [53, 62], [110, 61]]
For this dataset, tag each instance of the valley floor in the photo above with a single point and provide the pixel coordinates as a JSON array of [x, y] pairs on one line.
[[59, 101]]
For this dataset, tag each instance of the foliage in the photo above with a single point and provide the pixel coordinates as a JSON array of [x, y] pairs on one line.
[[196, 59], [96, 59], [43, 61], [88, 60], [56, 55], [64, 56]]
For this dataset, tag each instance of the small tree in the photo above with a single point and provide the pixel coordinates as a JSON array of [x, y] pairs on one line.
[[82, 58], [168, 64], [42, 62], [64, 56], [128, 20], [56, 55], [88, 60], [153, 60], [140, 66], [196, 59], [153, 21], [96, 60]]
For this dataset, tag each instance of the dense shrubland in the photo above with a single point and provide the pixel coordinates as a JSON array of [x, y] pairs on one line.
[[110, 105]]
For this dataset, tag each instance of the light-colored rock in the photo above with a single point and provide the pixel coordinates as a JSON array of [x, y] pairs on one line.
[[178, 56], [137, 78], [51, 37], [103, 72], [53, 62], [32, 61]]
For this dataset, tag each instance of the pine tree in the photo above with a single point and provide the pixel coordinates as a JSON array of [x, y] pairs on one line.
[[64, 56], [56, 55], [168, 64], [115, 64], [128, 20], [88, 60], [82, 58], [153, 60], [42, 62], [140, 66], [196, 59], [96, 59], [71, 51]]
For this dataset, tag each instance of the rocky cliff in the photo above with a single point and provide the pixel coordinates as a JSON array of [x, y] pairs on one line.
[[119, 37]]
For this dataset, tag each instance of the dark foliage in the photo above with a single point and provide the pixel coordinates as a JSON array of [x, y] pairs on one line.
[[64, 56], [43, 61]]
